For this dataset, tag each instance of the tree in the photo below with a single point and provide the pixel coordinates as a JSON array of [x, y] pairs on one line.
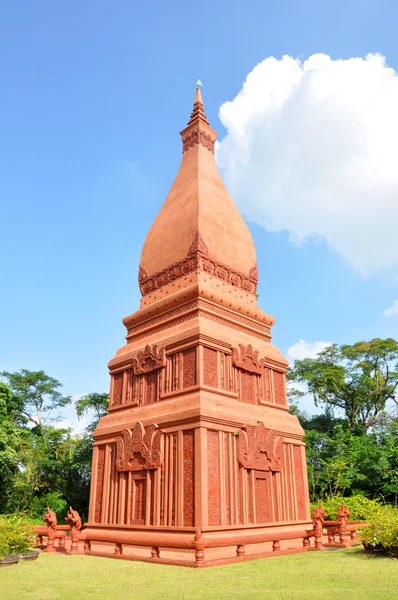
[[92, 402], [9, 444], [55, 469], [358, 379], [36, 396]]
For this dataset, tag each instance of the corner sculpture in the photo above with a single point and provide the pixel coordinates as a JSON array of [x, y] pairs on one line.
[[198, 446], [318, 518], [50, 518], [75, 527]]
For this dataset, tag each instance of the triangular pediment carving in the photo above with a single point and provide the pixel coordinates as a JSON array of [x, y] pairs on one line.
[[260, 448], [247, 359], [140, 448], [149, 360]]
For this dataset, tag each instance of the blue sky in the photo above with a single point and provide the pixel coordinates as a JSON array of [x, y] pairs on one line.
[[93, 96]]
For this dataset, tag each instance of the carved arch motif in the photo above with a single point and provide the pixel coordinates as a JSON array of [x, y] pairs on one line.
[[149, 360], [140, 448], [247, 359], [260, 448]]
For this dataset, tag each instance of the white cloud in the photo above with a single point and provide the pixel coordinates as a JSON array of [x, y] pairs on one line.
[[312, 148], [391, 311], [303, 349]]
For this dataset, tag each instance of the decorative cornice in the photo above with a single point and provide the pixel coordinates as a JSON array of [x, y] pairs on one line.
[[260, 449], [197, 137], [139, 449], [149, 360], [197, 260], [247, 359], [161, 278], [198, 308]]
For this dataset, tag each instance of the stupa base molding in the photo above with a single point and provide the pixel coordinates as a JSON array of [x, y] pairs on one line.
[[197, 548], [206, 563]]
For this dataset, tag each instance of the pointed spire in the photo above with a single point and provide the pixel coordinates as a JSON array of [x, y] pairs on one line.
[[198, 108]]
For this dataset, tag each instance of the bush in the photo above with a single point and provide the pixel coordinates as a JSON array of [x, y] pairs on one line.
[[16, 534], [360, 507], [38, 505], [382, 530]]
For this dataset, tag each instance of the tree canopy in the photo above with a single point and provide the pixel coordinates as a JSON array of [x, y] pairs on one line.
[[359, 379], [36, 396]]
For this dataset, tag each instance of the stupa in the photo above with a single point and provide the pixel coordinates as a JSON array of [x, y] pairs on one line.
[[198, 442]]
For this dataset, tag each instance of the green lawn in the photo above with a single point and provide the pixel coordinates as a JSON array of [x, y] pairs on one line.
[[337, 575]]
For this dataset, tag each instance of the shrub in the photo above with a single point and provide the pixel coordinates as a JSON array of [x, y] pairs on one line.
[[38, 505], [382, 529], [16, 534], [360, 507]]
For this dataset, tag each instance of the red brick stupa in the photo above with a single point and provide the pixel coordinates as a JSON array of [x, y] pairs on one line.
[[198, 458]]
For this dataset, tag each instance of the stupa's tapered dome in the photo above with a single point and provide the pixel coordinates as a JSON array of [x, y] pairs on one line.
[[198, 228]]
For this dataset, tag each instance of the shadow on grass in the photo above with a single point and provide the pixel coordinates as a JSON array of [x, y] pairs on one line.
[[359, 552]]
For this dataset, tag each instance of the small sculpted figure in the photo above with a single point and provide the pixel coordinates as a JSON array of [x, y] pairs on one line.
[[318, 517], [50, 518], [75, 521], [75, 526], [342, 515]]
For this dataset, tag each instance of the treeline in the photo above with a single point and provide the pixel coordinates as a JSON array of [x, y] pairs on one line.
[[352, 446], [42, 464]]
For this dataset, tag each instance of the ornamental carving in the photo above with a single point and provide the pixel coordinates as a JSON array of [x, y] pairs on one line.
[[247, 360], [149, 360], [197, 137], [140, 448], [260, 448], [142, 274], [198, 245], [253, 273], [196, 260]]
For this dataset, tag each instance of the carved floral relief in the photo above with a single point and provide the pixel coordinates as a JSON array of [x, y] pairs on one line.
[[198, 259], [260, 448], [197, 137], [149, 360], [140, 448], [247, 359]]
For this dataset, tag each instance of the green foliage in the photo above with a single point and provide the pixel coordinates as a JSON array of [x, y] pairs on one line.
[[340, 461], [40, 464], [16, 534], [96, 402], [54, 500], [357, 379], [9, 442], [36, 396], [382, 529], [55, 472], [360, 507]]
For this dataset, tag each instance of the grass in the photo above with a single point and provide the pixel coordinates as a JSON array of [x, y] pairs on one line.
[[343, 575]]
